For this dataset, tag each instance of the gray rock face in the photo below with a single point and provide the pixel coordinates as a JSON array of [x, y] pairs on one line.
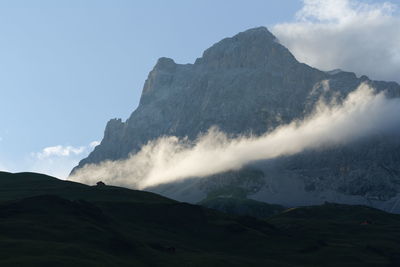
[[250, 83]]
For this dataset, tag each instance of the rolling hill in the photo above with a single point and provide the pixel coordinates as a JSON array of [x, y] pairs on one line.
[[49, 222]]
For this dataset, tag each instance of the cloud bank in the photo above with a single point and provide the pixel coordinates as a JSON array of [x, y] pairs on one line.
[[346, 34], [169, 159]]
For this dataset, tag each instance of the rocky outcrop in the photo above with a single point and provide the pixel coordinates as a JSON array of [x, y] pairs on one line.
[[250, 83]]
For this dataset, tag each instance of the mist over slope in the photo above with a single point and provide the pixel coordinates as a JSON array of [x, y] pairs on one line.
[[260, 104], [169, 159]]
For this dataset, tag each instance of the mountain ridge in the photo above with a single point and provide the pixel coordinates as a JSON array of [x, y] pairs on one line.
[[250, 83]]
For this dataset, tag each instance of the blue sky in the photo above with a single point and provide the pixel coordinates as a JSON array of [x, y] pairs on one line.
[[67, 67]]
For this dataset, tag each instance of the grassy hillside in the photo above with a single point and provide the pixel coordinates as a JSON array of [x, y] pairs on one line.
[[20, 185], [242, 206], [48, 222]]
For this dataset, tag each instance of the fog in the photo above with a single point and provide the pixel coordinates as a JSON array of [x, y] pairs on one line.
[[361, 114]]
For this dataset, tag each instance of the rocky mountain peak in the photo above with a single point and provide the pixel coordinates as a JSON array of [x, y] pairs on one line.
[[253, 48], [165, 64]]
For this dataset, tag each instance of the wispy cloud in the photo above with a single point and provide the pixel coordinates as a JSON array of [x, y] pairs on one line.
[[58, 160], [346, 34], [169, 159], [59, 151]]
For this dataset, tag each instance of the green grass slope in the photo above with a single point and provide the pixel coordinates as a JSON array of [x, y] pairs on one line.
[[21, 185], [343, 234], [48, 222], [242, 206]]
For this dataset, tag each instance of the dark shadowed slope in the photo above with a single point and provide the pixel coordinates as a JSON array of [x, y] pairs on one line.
[[242, 206], [21, 185], [49, 222]]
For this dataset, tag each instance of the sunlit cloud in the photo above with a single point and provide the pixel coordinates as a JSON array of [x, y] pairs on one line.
[[169, 159], [346, 34]]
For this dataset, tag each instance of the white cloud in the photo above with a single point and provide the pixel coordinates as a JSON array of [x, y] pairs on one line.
[[59, 151], [346, 34], [169, 159], [58, 160]]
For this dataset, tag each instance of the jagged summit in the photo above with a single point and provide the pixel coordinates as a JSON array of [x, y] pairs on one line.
[[257, 31], [259, 36], [253, 48], [253, 41], [165, 63]]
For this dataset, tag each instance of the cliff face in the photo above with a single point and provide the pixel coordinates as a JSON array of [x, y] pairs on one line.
[[249, 83]]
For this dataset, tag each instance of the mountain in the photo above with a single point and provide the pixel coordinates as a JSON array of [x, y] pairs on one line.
[[250, 83], [48, 222]]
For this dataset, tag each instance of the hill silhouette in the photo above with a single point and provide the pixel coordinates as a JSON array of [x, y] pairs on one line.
[[49, 222]]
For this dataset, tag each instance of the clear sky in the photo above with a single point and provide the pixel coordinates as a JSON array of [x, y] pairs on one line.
[[67, 67]]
